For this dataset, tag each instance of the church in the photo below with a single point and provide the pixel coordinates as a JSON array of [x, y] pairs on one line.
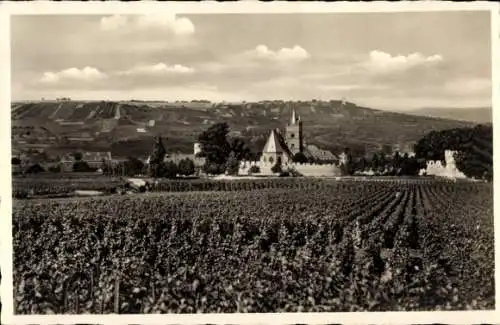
[[281, 148]]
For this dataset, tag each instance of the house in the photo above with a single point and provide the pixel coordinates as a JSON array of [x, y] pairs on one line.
[[317, 154], [93, 159]]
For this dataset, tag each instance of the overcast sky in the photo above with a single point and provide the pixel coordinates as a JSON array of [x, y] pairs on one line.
[[385, 60]]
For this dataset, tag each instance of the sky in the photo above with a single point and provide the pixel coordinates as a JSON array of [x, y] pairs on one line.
[[396, 61]]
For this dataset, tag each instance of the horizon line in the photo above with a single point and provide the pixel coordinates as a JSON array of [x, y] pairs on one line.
[[206, 101]]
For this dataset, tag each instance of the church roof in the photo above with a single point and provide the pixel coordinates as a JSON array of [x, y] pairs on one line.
[[318, 153], [274, 144]]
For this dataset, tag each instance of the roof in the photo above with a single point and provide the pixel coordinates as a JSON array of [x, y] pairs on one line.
[[274, 144], [89, 156], [319, 153]]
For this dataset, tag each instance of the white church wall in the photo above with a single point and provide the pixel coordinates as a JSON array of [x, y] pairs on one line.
[[317, 170], [306, 169]]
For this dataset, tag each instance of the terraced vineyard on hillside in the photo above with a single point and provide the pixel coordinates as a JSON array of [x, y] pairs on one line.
[[320, 246], [329, 125]]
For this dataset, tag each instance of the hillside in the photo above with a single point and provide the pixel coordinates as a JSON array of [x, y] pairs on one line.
[[476, 115], [127, 128]]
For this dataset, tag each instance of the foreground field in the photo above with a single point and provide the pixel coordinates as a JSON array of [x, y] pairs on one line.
[[338, 246]]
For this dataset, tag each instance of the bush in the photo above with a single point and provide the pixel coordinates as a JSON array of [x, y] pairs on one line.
[[284, 174], [294, 173], [55, 169], [168, 170], [20, 194], [133, 166], [186, 167], [300, 158], [276, 169], [35, 169], [254, 170], [213, 168], [82, 167]]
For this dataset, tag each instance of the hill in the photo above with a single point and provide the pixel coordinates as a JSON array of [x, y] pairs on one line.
[[476, 114], [127, 128]]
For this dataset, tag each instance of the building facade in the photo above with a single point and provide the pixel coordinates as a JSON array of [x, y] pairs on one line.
[[93, 159], [294, 138], [275, 150]]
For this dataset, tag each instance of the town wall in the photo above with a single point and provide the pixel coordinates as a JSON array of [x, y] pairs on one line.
[[306, 169]]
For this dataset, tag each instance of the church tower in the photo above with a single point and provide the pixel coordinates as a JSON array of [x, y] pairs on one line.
[[293, 134]]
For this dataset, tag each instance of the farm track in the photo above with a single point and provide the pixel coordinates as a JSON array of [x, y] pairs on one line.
[[311, 246]]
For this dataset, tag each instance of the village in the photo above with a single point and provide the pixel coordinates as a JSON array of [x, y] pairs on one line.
[[285, 148]]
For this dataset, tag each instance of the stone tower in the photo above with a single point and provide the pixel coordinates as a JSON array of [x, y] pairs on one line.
[[293, 134]]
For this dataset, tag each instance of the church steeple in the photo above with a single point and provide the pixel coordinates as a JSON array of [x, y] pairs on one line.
[[294, 119], [293, 133]]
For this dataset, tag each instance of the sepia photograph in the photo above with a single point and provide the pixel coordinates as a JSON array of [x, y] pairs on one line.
[[264, 162]]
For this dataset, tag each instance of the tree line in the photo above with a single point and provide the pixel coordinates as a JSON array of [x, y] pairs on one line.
[[474, 146], [223, 154]]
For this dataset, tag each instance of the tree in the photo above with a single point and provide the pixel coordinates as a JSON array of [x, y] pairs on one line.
[[55, 169], [77, 155], [81, 166], [397, 162], [276, 168], [232, 164], [475, 147], [186, 167], [348, 166], [383, 162], [410, 166], [300, 158], [215, 147], [168, 169], [15, 161], [362, 164], [133, 166], [156, 158], [375, 162], [35, 169], [240, 149], [213, 168]]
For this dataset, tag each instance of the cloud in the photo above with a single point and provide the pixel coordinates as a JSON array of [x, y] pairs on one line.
[[179, 26], [74, 74], [158, 69], [113, 22], [285, 54], [381, 62]]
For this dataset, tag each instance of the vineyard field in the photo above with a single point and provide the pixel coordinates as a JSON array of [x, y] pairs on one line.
[[311, 246]]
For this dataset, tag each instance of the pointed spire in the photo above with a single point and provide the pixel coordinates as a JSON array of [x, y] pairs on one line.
[[293, 117]]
